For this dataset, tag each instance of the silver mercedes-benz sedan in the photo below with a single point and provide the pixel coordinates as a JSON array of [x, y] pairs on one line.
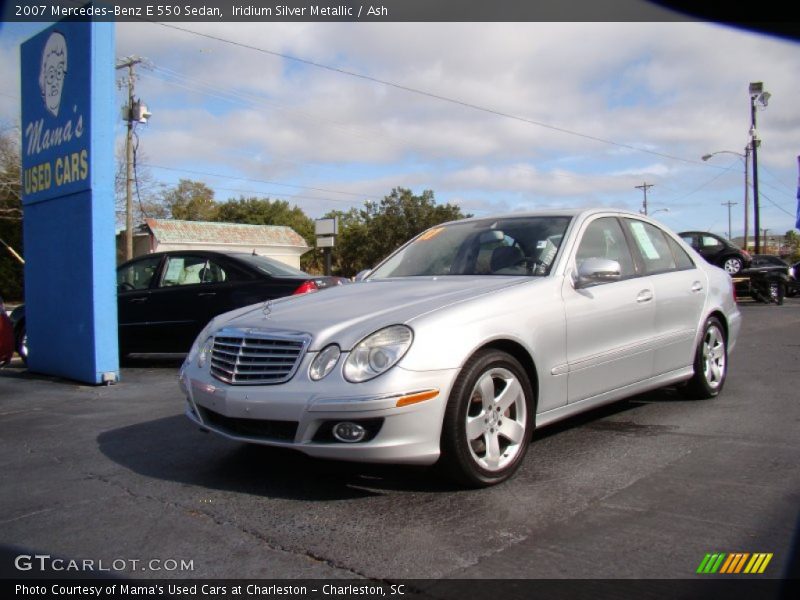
[[466, 338]]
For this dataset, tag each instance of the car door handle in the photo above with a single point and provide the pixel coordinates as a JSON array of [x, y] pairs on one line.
[[138, 300], [644, 296], [697, 287], [206, 294]]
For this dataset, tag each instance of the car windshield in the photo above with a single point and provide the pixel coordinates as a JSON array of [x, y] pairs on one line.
[[525, 246], [273, 268]]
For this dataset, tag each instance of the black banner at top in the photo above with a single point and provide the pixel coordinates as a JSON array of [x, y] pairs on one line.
[[769, 13]]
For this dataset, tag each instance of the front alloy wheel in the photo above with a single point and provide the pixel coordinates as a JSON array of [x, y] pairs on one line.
[[711, 362], [487, 422]]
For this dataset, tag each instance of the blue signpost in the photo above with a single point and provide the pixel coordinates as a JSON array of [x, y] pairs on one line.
[[68, 201]]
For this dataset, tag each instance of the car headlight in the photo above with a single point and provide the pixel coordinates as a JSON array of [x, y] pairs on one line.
[[199, 343], [324, 362], [205, 352], [377, 353]]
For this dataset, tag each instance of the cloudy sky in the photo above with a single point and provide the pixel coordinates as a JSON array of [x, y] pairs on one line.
[[495, 117]]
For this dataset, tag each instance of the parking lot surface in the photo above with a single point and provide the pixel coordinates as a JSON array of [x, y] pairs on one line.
[[641, 489]]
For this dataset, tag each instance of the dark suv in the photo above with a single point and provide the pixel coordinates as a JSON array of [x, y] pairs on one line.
[[717, 250]]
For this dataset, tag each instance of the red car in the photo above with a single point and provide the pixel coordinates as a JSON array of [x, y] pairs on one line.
[[6, 336]]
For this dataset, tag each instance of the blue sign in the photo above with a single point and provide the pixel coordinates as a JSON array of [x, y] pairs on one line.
[[68, 201], [55, 115]]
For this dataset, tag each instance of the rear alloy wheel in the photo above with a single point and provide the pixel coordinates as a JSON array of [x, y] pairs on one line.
[[710, 363], [733, 264], [487, 424]]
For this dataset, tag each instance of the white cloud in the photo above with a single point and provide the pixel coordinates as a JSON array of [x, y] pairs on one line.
[[677, 89]]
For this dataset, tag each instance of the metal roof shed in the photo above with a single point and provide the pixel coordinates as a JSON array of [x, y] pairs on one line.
[[275, 241]]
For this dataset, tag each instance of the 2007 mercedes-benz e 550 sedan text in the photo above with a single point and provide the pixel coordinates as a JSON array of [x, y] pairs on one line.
[[466, 338]]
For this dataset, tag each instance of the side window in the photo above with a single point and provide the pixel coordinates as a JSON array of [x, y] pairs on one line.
[[708, 241], [682, 259], [191, 270], [653, 247], [604, 238], [138, 275], [691, 240]]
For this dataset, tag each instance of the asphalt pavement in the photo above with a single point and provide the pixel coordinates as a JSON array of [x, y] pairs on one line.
[[642, 489]]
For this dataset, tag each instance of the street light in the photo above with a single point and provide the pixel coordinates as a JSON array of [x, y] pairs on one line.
[[658, 210], [757, 96], [744, 157]]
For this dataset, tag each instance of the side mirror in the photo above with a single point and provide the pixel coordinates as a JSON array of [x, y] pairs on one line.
[[362, 275], [594, 271]]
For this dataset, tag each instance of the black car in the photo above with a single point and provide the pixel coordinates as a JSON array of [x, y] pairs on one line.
[[769, 279], [165, 299], [769, 262], [717, 250]]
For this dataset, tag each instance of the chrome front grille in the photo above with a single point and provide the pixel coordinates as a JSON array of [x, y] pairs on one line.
[[247, 357]]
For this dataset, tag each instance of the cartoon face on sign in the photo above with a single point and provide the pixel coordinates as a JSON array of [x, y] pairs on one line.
[[53, 71]]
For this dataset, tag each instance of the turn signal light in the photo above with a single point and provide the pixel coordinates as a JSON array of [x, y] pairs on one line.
[[415, 398]]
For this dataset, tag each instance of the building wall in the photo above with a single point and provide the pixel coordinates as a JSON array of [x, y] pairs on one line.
[[289, 256]]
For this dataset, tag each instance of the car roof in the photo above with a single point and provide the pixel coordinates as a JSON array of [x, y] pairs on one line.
[[198, 251], [550, 212]]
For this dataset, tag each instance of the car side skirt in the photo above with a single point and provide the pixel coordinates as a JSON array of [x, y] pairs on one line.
[[564, 412]]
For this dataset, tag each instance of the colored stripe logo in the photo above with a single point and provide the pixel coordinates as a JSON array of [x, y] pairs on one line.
[[734, 563]]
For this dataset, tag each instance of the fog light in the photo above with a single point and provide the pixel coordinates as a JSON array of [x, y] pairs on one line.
[[348, 432]]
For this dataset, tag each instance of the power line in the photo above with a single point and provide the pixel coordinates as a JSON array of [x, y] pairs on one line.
[[432, 95], [776, 205], [701, 186], [278, 183]]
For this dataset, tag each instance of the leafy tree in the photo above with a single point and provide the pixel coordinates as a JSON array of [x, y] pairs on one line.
[[190, 201], [371, 233], [11, 270], [792, 241], [263, 211], [353, 236], [146, 201]]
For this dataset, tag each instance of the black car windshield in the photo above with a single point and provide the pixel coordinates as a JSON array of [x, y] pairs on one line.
[[273, 268], [525, 246]]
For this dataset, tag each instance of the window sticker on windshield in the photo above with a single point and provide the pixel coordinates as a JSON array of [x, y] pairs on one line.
[[644, 241], [541, 244], [430, 234]]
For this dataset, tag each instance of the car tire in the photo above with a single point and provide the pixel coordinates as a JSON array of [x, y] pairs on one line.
[[21, 341], [488, 421], [710, 362], [733, 264], [776, 292]]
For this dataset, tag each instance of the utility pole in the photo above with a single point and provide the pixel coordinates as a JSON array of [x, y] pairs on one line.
[[757, 94], [644, 187], [746, 194], [129, 63], [729, 204]]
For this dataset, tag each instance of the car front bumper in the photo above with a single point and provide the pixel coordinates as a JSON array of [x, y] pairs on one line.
[[299, 413]]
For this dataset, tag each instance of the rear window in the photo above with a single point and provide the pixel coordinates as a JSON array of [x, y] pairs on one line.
[[271, 267]]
